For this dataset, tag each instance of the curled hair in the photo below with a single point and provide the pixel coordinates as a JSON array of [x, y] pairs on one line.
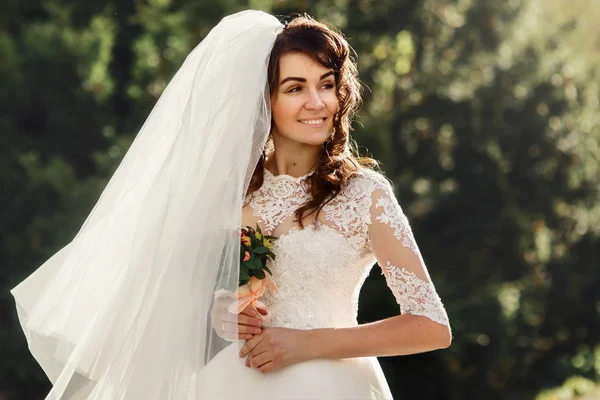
[[337, 162]]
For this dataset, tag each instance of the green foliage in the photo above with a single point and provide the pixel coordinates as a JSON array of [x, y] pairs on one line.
[[493, 145], [574, 387], [485, 115], [255, 254]]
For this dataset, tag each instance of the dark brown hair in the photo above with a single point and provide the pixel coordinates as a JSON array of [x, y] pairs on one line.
[[338, 162]]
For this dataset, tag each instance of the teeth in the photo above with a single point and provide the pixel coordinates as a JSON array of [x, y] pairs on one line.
[[313, 121]]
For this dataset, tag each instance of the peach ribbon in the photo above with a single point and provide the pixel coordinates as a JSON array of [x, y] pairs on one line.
[[249, 293]]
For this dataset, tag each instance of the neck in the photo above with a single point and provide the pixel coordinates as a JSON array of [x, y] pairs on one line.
[[292, 159]]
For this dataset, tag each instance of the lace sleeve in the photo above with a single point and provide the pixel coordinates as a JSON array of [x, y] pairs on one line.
[[398, 255]]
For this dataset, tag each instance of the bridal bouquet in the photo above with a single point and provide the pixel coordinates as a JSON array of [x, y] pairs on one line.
[[256, 252]]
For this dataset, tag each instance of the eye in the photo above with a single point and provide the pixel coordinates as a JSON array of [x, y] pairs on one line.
[[328, 85], [294, 89]]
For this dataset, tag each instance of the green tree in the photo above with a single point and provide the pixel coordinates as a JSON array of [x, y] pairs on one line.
[[52, 118], [490, 118]]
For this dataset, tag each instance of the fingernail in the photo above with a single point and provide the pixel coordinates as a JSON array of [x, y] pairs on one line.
[[257, 331]]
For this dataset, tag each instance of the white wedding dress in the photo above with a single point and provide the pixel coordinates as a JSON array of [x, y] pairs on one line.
[[319, 271]]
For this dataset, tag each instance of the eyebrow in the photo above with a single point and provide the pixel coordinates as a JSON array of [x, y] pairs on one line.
[[293, 78]]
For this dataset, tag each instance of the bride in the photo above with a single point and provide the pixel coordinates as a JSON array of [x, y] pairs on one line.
[[254, 128]]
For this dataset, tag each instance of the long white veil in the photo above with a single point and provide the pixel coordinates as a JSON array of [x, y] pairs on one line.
[[122, 312]]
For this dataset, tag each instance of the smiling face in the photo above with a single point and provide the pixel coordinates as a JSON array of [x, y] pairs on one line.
[[304, 104]]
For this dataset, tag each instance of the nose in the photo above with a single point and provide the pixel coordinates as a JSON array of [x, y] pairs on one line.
[[314, 101]]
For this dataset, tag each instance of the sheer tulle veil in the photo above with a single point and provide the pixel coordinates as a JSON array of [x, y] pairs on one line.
[[122, 312]]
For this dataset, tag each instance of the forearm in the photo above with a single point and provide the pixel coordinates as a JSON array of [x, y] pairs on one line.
[[399, 335]]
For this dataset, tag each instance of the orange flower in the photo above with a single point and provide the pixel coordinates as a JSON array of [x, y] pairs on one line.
[[246, 240]]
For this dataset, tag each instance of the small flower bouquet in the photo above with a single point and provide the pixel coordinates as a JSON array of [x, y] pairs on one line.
[[256, 252]]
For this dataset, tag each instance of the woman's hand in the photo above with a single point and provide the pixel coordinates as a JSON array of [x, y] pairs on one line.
[[224, 323], [276, 348]]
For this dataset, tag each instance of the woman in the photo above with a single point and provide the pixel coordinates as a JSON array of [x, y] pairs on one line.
[[127, 309], [333, 217]]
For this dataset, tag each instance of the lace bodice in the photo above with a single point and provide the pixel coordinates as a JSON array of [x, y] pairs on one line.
[[320, 269]]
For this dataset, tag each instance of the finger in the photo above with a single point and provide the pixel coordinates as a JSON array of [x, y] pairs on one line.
[[268, 367], [231, 327], [245, 336], [250, 345], [232, 336], [262, 311], [249, 316], [260, 360], [242, 319], [258, 350], [250, 311]]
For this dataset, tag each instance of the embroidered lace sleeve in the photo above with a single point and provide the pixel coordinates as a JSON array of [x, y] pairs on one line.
[[398, 255]]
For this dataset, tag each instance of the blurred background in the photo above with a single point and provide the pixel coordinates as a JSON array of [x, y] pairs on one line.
[[485, 114]]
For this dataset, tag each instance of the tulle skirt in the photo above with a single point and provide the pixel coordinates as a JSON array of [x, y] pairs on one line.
[[227, 378]]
